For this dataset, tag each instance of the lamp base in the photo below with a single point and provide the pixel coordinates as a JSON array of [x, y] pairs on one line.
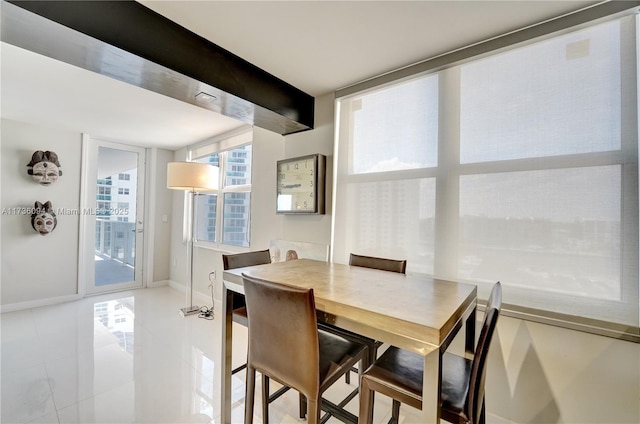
[[189, 310]]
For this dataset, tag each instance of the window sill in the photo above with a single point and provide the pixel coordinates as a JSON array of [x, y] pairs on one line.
[[571, 322]]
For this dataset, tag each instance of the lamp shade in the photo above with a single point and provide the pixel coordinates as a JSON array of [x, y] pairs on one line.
[[192, 176]]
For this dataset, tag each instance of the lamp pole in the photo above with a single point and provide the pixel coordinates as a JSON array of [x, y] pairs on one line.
[[191, 177], [191, 309]]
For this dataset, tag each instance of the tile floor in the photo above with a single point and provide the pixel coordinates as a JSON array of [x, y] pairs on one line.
[[128, 357]]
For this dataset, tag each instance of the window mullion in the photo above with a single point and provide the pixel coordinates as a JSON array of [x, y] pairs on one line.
[[448, 178], [222, 160]]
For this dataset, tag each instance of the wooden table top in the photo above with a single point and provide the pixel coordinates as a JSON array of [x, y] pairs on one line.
[[412, 312]]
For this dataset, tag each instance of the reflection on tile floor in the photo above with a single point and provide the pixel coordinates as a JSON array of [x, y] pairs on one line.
[[129, 357]]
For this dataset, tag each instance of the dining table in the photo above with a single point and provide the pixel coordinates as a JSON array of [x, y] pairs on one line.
[[413, 312]]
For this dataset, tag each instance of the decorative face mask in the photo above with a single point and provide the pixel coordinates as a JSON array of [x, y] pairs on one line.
[[44, 167], [43, 219]]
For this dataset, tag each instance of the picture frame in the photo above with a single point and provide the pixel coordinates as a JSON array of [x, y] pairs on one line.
[[301, 185]]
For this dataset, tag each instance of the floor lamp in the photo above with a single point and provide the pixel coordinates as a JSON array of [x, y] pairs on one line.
[[193, 177]]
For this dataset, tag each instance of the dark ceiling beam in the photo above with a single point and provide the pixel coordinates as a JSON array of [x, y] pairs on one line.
[[155, 53]]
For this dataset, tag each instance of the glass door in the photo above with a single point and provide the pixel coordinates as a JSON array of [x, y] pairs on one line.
[[115, 195]]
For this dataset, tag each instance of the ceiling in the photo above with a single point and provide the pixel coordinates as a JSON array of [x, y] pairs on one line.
[[317, 46]]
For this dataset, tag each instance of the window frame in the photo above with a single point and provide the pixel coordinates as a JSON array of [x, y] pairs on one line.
[[448, 151], [222, 146]]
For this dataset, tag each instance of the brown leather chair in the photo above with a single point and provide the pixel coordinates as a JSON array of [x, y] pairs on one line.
[[384, 264], [393, 265], [240, 260], [286, 345], [398, 374]]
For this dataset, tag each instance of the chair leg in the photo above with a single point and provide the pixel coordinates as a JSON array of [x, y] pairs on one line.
[[238, 369], [265, 399], [313, 417], [373, 355], [249, 395], [395, 412], [303, 406], [366, 412], [482, 413], [365, 362]]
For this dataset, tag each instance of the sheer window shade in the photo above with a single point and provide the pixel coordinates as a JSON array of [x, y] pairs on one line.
[[519, 167]]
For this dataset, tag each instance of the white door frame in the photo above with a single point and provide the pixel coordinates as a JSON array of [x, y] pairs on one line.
[[86, 272]]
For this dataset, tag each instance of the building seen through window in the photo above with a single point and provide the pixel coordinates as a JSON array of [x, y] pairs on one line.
[[224, 217]]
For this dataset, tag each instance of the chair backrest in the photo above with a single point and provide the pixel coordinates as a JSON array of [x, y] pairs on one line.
[[393, 265], [475, 396], [240, 260], [283, 333]]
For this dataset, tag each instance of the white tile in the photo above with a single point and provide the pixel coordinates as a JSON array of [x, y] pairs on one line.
[[20, 353], [89, 373], [115, 406], [175, 395], [130, 358], [17, 325], [51, 418], [21, 346], [26, 395]]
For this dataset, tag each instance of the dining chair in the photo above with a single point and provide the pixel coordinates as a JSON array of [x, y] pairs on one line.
[[240, 260], [286, 345], [398, 374], [384, 264], [393, 265]]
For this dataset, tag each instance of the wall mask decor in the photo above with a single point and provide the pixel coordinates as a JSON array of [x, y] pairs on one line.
[[44, 167], [43, 219]]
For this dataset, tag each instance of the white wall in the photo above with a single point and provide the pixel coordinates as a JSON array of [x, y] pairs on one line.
[[159, 215], [574, 377], [313, 228], [539, 373], [36, 267], [266, 225], [268, 148], [39, 270]]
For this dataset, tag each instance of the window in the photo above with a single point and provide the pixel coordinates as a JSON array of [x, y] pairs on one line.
[[124, 191], [520, 167], [124, 177], [104, 193], [225, 217], [103, 209], [235, 218]]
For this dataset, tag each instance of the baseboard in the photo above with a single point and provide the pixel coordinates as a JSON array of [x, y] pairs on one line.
[[491, 418], [161, 283], [12, 307], [176, 286], [199, 298], [37, 303]]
